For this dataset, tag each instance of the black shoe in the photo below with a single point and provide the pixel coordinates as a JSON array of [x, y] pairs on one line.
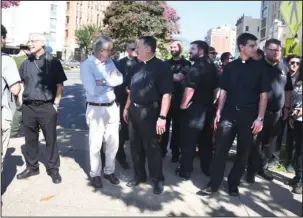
[[54, 174], [250, 178], [175, 159], [124, 164], [157, 187], [206, 191], [297, 188], [97, 182], [135, 181], [265, 174], [179, 173], [112, 179], [292, 182], [233, 190], [27, 173]]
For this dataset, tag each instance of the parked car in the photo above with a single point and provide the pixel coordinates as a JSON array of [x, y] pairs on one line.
[[72, 64]]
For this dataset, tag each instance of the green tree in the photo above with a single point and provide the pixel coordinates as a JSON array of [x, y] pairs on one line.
[[125, 21], [85, 36]]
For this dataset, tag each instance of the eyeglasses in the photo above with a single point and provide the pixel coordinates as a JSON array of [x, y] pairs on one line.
[[213, 53], [294, 62], [231, 58], [274, 50], [133, 49]]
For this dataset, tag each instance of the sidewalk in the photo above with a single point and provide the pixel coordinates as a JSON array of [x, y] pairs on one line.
[[38, 196]]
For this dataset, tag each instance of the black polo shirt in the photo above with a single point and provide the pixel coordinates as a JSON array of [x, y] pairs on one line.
[[202, 77], [178, 66], [149, 81], [243, 82], [280, 82], [125, 66], [41, 76]]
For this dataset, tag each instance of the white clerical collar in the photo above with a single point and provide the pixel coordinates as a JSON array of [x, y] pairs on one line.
[[145, 62]]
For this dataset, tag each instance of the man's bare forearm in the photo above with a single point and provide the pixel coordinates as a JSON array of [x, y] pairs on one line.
[[216, 95], [128, 101], [262, 104], [222, 99], [165, 104], [288, 99], [59, 94], [20, 95], [187, 96]]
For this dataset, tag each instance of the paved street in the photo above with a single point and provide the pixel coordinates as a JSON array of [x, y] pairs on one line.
[[38, 196]]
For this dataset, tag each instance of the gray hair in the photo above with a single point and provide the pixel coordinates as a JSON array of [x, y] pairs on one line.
[[101, 43]]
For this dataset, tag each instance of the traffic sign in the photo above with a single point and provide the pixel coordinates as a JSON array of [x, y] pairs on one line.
[[292, 46], [292, 14]]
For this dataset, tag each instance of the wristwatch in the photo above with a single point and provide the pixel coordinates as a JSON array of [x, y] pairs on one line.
[[162, 117], [260, 119]]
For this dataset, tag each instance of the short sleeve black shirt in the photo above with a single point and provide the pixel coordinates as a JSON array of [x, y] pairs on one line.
[[243, 82], [280, 82], [178, 66], [202, 77], [150, 81], [41, 76], [125, 65]]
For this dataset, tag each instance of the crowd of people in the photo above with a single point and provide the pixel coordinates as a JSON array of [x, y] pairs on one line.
[[251, 98]]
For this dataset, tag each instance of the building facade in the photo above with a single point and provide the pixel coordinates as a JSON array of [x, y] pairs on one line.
[[248, 24], [49, 18], [80, 13], [222, 38]]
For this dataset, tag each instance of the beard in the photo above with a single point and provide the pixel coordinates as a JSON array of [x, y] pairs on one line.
[[193, 57], [175, 54]]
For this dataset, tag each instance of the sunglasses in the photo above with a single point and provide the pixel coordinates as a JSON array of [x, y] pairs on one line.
[[294, 62], [133, 49]]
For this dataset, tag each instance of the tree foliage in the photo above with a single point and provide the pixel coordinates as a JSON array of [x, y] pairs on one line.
[[8, 4], [125, 21], [85, 36]]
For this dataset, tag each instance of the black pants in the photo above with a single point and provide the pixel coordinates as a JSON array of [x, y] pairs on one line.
[[298, 149], [144, 141], [44, 116], [205, 141], [123, 136], [265, 143], [238, 124], [192, 124], [174, 115]]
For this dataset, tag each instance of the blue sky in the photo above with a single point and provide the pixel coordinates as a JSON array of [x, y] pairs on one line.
[[197, 17]]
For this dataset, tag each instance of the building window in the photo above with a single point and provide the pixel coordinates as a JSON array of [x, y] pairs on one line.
[[54, 10], [67, 19], [67, 5], [258, 29], [52, 37], [246, 28], [263, 23], [66, 33], [53, 24], [263, 31], [265, 4]]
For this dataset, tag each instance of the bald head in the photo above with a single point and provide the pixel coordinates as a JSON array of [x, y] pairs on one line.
[[36, 43]]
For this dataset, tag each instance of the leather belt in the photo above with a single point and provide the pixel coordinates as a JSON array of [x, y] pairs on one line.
[[37, 102], [101, 104]]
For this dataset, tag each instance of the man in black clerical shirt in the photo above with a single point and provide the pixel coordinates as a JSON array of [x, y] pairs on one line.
[[279, 98], [178, 65], [43, 77], [242, 102], [150, 89], [125, 65], [198, 97]]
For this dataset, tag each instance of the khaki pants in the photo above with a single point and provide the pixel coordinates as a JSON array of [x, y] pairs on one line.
[[103, 123], [5, 134]]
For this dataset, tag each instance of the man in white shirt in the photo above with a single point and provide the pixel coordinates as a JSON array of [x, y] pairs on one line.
[[10, 86], [99, 76]]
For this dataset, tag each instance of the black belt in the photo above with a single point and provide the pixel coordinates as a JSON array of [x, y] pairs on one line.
[[37, 102], [273, 111], [154, 104], [101, 104]]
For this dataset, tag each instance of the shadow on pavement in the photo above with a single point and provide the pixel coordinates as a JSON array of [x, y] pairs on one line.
[[10, 164]]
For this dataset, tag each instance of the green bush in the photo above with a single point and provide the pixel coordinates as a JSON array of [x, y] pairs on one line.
[[19, 60]]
